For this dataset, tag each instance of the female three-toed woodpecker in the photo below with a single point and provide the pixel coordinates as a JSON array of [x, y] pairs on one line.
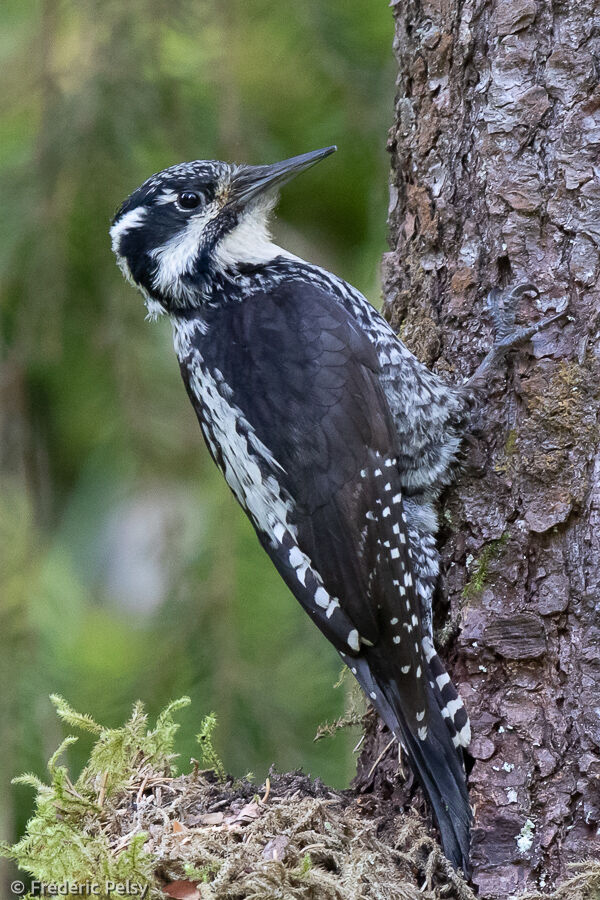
[[334, 438]]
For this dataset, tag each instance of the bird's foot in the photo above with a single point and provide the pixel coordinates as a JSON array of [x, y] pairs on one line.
[[507, 334]]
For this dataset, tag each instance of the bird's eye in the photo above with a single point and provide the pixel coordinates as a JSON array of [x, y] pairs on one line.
[[188, 199]]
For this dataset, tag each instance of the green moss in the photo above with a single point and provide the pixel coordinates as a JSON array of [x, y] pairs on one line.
[[564, 406], [210, 757], [511, 443], [421, 335], [561, 425], [65, 840], [87, 832], [201, 873], [508, 453], [479, 572], [305, 866]]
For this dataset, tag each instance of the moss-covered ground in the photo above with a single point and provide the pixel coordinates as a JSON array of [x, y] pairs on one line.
[[129, 825]]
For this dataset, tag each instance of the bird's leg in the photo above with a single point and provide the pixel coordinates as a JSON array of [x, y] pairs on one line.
[[507, 334]]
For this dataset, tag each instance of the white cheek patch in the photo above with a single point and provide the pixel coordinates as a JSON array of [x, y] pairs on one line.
[[249, 242], [176, 257]]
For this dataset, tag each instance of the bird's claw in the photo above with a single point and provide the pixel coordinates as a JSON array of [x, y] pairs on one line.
[[503, 309], [519, 335]]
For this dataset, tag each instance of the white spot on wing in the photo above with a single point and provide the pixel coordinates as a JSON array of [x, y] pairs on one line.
[[296, 557], [332, 608], [322, 598], [464, 735], [353, 640], [279, 531]]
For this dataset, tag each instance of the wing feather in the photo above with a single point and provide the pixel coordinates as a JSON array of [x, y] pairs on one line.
[[306, 379], [311, 452]]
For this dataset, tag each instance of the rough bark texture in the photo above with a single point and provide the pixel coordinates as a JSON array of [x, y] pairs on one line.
[[495, 160]]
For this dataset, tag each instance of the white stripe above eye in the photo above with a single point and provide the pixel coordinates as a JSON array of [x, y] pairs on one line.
[[167, 197]]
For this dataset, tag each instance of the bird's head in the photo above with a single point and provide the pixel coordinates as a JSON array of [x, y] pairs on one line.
[[195, 220]]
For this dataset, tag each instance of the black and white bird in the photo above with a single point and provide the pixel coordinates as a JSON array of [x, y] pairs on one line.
[[333, 437]]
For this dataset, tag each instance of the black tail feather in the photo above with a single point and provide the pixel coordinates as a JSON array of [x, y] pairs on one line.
[[436, 762], [439, 769]]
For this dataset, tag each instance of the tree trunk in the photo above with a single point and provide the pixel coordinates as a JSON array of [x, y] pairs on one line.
[[495, 182]]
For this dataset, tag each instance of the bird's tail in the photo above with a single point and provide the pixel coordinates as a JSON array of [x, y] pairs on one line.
[[440, 770], [448, 699], [435, 760]]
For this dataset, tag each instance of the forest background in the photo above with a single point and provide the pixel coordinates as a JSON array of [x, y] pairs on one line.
[[126, 569]]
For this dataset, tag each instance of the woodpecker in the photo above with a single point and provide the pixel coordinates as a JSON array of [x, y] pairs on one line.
[[333, 437]]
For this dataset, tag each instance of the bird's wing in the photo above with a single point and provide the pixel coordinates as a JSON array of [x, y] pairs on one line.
[[305, 379], [312, 416]]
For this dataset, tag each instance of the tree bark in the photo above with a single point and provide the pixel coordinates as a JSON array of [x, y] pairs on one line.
[[494, 182]]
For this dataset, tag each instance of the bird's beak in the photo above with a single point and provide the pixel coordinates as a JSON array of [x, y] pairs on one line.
[[251, 181]]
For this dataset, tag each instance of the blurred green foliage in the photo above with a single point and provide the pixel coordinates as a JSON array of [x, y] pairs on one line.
[[126, 569]]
